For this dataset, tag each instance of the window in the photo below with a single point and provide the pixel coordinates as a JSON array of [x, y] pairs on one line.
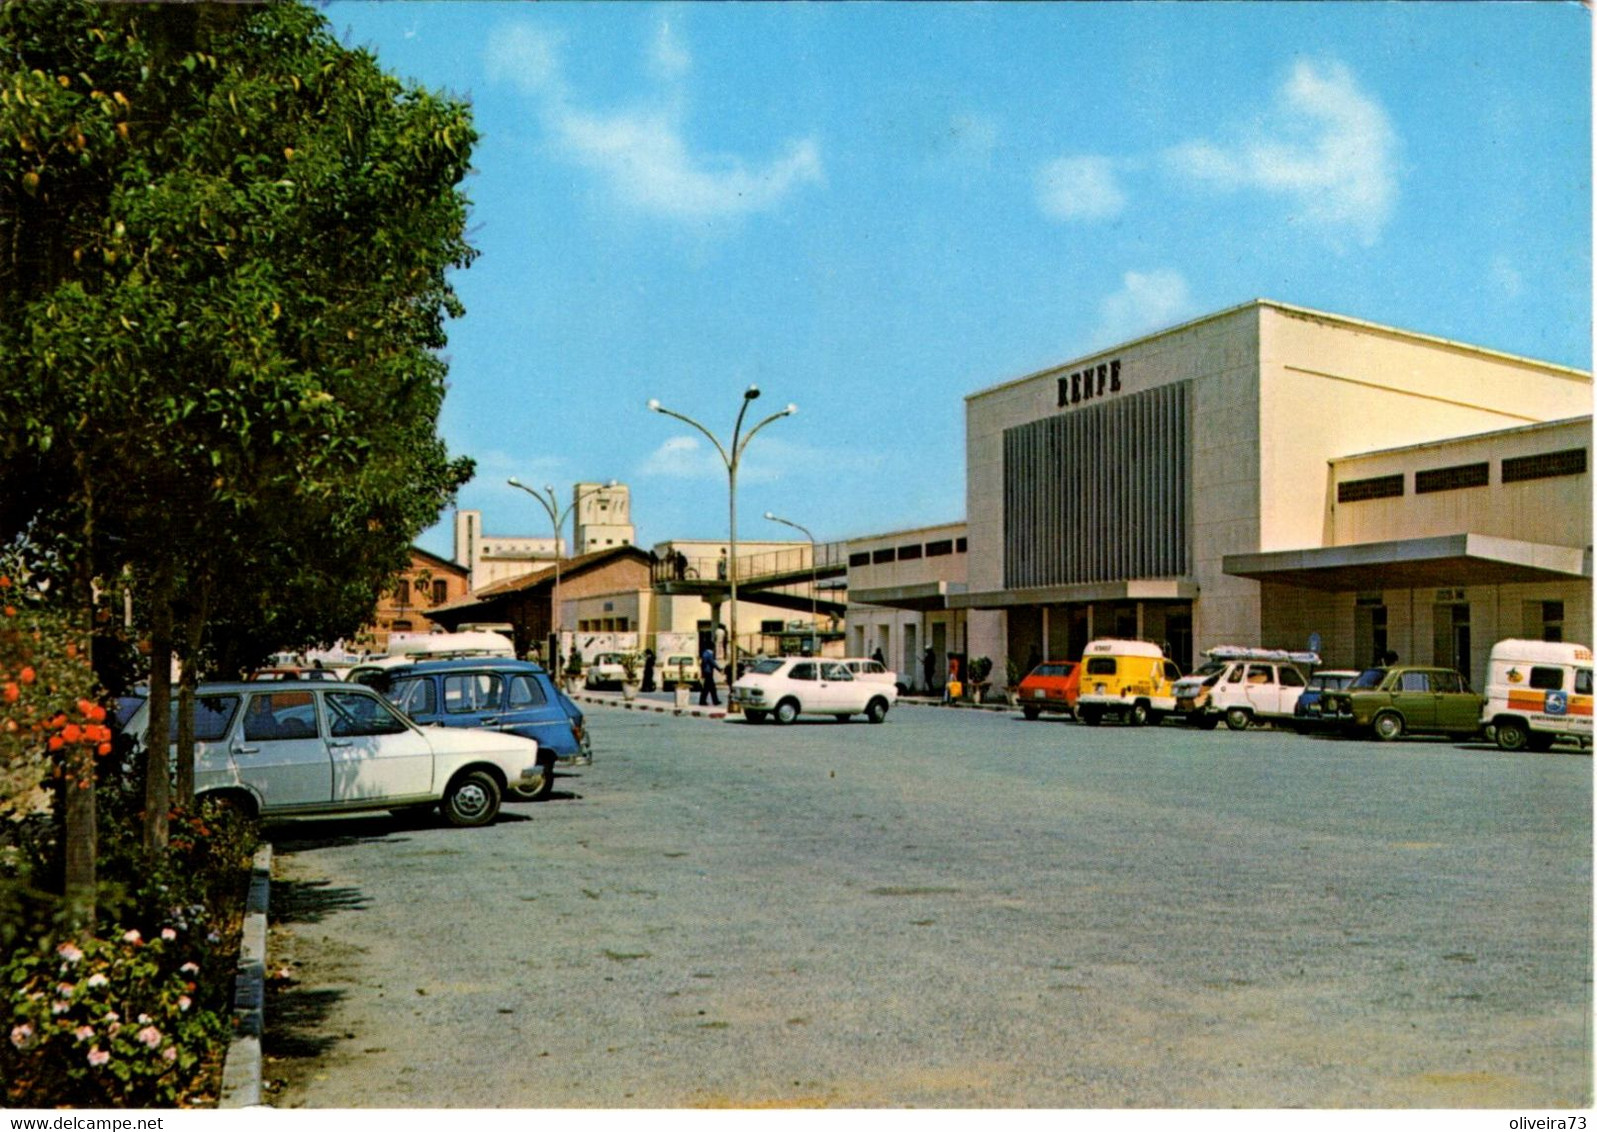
[[1547, 679], [1570, 462], [415, 696], [213, 717], [1376, 487], [939, 548], [960, 545], [471, 691], [526, 692], [835, 671], [1415, 682], [1101, 666], [353, 714], [860, 558], [1582, 681], [1291, 678], [772, 627], [1446, 682], [440, 591], [803, 672], [909, 553], [280, 715], [886, 554], [1259, 674], [1235, 676], [402, 591], [1450, 479]]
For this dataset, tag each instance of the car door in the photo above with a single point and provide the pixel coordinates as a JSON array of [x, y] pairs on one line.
[[532, 711], [213, 720], [804, 682], [1292, 685], [376, 755], [1262, 689], [277, 749], [1414, 697], [469, 699], [839, 691], [1457, 708]]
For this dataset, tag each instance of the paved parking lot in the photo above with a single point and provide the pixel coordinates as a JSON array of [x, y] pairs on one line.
[[955, 909]]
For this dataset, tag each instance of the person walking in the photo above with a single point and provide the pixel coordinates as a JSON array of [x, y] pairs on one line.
[[648, 670], [707, 670], [928, 665]]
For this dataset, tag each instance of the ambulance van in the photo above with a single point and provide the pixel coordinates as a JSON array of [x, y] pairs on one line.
[[1538, 692]]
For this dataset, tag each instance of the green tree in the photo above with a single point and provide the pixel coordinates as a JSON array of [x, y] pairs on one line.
[[225, 242]]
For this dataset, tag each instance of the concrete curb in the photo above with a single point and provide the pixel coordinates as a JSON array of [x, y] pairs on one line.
[[615, 701], [241, 1071]]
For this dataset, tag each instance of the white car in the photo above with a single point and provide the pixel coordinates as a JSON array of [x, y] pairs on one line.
[[315, 748], [866, 668], [605, 671], [1243, 686], [783, 688]]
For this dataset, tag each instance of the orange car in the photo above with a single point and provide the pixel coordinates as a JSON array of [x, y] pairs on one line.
[[1051, 686]]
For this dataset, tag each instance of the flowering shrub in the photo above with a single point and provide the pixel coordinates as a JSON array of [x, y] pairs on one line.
[[107, 1023]]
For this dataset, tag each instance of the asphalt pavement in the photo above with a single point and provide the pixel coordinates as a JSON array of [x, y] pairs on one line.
[[954, 909]]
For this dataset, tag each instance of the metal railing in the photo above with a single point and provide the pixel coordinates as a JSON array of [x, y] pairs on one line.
[[829, 557]]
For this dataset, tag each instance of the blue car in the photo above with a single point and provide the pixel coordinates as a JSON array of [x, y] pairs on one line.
[[514, 696], [1309, 715]]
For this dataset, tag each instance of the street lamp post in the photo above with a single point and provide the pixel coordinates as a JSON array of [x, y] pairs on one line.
[[815, 622], [731, 456], [557, 516]]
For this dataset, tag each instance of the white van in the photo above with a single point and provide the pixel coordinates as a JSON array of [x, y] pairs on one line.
[[1243, 685], [1130, 679], [1536, 692]]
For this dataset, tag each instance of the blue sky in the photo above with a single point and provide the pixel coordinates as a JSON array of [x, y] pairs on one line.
[[872, 210]]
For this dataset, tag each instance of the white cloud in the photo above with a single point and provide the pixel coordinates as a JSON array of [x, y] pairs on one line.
[[1080, 188], [1326, 146], [1146, 301], [642, 152], [683, 458], [767, 460]]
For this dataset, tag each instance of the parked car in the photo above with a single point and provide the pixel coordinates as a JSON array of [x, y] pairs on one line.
[[1309, 714], [1052, 686], [867, 668], [1538, 692], [1406, 700], [1243, 686], [324, 747], [286, 672], [604, 671], [514, 696], [679, 668], [783, 688], [1130, 679]]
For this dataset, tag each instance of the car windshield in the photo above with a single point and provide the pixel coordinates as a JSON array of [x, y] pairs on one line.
[[1051, 670], [767, 666], [1370, 678], [1331, 681]]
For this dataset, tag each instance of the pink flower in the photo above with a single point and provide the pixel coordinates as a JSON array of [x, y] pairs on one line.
[[169, 1054], [65, 989], [83, 1033], [132, 936], [98, 1057], [69, 953], [98, 980], [60, 1007], [20, 1035], [150, 1036], [168, 934], [112, 1016], [190, 968], [184, 1002]]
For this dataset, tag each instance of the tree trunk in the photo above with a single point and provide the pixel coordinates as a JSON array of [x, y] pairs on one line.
[[193, 631], [79, 815], [157, 744]]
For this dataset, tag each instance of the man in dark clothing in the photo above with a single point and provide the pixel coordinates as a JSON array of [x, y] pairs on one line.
[[707, 670]]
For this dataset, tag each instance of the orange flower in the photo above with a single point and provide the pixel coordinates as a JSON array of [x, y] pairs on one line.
[[91, 711], [12, 692], [72, 733], [27, 675]]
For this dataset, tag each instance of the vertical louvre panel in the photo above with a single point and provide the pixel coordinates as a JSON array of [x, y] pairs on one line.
[[1099, 494]]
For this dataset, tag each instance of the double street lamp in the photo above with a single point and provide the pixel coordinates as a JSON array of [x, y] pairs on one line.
[[557, 516], [815, 624], [731, 456]]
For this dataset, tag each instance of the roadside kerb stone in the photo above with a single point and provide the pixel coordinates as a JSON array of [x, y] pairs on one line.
[[666, 707], [241, 1069]]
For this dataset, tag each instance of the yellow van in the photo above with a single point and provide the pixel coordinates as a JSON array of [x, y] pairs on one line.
[[1536, 692], [1129, 679]]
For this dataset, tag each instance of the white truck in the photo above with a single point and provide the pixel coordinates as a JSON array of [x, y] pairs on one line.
[[1538, 692]]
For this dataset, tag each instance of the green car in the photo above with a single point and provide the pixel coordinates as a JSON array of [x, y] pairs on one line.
[[1406, 700]]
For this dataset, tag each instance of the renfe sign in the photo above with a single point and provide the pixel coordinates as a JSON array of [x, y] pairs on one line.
[[1094, 381]]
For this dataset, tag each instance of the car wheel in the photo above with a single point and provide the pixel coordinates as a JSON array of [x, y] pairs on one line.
[[1387, 726], [1238, 718], [1138, 715], [539, 789], [786, 711], [876, 710], [754, 716], [1031, 713], [472, 799], [1512, 735]]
